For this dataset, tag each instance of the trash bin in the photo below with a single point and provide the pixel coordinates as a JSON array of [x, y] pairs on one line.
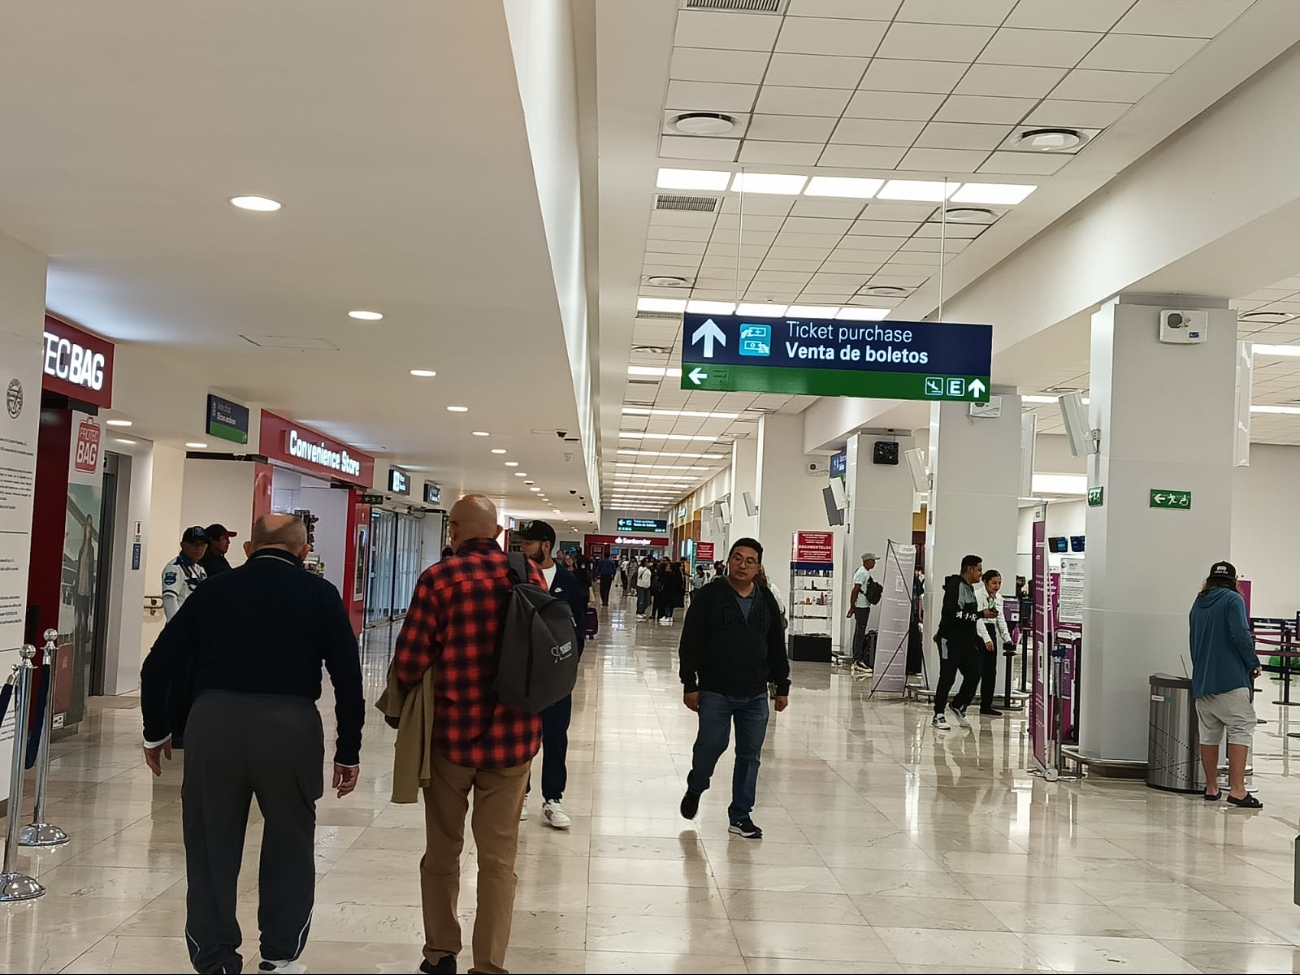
[[1173, 740]]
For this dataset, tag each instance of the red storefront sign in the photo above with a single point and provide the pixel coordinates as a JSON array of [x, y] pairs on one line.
[[814, 547], [77, 364], [302, 448], [86, 458], [704, 552], [625, 541]]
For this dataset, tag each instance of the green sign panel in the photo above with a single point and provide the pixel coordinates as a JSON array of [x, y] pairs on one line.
[[1181, 500], [1096, 497]]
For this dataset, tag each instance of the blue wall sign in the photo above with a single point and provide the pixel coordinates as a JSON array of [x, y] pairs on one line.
[[227, 420]]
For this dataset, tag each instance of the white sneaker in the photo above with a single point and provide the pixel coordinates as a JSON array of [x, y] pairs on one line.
[[961, 717], [555, 815], [940, 722], [288, 967], [640, 616], [523, 813]]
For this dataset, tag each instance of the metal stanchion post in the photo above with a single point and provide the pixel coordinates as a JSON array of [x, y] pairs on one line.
[[38, 832], [15, 886]]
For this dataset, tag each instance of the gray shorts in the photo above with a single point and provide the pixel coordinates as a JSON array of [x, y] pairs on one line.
[[1231, 711]]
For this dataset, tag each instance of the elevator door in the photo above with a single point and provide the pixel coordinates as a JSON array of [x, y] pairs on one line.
[[104, 575]]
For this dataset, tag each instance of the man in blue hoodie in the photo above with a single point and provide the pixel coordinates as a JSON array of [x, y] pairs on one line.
[[1224, 666]]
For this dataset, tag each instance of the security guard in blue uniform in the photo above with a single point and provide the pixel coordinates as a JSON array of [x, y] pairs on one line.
[[182, 575]]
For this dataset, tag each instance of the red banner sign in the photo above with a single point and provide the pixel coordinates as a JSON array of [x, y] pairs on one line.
[[625, 541], [814, 547], [308, 450], [86, 459], [77, 364], [704, 552]]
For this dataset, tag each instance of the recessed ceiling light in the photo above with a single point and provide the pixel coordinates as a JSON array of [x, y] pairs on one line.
[[671, 305], [125, 441], [969, 215], [693, 179], [119, 423], [668, 453], [702, 123], [698, 414], [667, 281], [1282, 350], [480, 433], [710, 307], [847, 186], [521, 473], [196, 446], [811, 311], [886, 291], [654, 371], [999, 194], [535, 489], [763, 310], [1264, 316], [779, 184], [423, 373], [1276, 409], [633, 435], [856, 313], [658, 467], [498, 450], [458, 409], [366, 316], [260, 203], [918, 190], [512, 463], [1050, 140]]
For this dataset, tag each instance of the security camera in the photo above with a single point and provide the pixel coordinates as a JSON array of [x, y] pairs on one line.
[[572, 491]]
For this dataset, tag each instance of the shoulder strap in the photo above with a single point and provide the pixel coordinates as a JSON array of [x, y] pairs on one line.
[[518, 568]]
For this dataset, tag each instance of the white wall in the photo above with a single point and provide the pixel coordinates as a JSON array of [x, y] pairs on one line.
[[163, 529], [789, 499], [124, 646], [1265, 531], [1052, 456], [744, 477], [220, 491]]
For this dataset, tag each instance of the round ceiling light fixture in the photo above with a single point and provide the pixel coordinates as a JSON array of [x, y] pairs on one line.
[[498, 450], [1265, 316], [119, 423], [260, 203], [702, 123], [512, 463], [971, 214], [197, 446], [458, 409], [1050, 140], [423, 373], [887, 291], [366, 316], [480, 433], [667, 281]]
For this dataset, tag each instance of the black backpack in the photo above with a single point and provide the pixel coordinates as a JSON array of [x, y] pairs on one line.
[[537, 658]]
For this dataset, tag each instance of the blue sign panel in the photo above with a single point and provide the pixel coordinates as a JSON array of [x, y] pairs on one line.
[[641, 526], [823, 357], [227, 420], [840, 464]]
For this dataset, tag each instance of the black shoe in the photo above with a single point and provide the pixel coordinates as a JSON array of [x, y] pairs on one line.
[[690, 805], [446, 966], [994, 712], [1246, 802], [746, 828]]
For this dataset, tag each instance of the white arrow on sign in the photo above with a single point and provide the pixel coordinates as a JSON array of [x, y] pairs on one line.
[[977, 388], [709, 332], [1160, 499], [696, 376]]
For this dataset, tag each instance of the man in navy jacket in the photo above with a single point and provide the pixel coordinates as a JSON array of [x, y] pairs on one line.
[[537, 541]]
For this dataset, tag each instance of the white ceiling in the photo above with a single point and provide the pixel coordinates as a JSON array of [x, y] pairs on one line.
[[394, 137]]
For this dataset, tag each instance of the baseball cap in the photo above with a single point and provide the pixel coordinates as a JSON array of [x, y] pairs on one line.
[[218, 530], [1223, 570], [195, 534], [537, 531], [870, 555]]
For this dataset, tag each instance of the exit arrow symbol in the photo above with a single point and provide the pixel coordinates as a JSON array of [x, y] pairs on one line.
[[977, 388], [696, 375], [1160, 499], [709, 332]]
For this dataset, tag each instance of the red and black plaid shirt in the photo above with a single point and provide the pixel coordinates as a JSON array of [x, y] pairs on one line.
[[452, 626]]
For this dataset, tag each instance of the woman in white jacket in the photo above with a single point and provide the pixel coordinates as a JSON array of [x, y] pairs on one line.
[[996, 635]]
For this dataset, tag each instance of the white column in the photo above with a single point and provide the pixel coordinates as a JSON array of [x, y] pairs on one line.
[[789, 498], [1166, 415], [879, 511], [974, 498], [744, 481]]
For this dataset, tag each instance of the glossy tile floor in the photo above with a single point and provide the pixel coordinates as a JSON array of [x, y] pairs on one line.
[[890, 848]]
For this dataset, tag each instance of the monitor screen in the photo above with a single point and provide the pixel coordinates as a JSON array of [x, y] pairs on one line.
[[1058, 543], [1076, 543], [833, 513]]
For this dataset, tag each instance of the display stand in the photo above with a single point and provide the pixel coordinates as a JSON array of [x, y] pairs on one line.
[[812, 595], [895, 626]]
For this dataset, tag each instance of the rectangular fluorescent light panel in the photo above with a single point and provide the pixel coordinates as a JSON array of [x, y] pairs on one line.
[[812, 311], [632, 435], [710, 307], [857, 314], [1046, 400], [659, 467], [693, 179], [1061, 484], [850, 187], [780, 184], [998, 194], [1289, 410], [917, 190], [698, 414], [659, 371], [761, 311], [661, 304], [1283, 350], [668, 453]]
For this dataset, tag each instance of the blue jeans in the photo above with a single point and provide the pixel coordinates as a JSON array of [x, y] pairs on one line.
[[717, 711], [642, 599]]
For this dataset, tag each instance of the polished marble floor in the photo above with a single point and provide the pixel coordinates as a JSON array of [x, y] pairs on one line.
[[890, 848]]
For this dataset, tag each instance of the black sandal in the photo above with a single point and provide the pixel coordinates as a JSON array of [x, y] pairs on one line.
[[1212, 798], [1249, 802]]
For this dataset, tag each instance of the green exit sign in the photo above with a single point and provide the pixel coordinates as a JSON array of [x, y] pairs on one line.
[[1096, 497], [1181, 500]]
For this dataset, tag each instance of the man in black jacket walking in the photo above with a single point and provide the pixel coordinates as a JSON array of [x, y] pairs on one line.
[[732, 646], [960, 646], [249, 646]]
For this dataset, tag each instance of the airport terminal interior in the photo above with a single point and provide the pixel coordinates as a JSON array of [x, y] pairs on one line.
[[793, 329]]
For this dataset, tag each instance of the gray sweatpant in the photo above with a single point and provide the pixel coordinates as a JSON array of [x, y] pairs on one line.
[[238, 746]]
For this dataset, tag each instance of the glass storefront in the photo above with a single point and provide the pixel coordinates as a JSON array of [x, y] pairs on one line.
[[396, 561]]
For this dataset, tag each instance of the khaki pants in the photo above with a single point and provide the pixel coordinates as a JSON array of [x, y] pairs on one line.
[[498, 801]]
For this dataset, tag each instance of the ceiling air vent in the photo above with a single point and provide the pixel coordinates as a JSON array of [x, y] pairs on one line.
[[692, 204], [665, 316], [738, 6]]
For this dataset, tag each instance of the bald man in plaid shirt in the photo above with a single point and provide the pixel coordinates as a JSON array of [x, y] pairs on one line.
[[479, 743]]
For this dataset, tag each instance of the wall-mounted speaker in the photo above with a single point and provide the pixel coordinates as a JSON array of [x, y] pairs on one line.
[[1078, 431], [751, 508]]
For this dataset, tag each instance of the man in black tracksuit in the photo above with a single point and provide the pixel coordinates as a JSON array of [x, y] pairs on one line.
[[249, 646], [732, 646], [959, 642]]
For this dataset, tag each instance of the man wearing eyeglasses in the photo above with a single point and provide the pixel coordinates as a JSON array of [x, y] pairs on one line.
[[732, 646]]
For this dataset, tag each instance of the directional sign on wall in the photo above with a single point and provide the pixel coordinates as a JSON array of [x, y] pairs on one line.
[[1178, 500], [823, 357]]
